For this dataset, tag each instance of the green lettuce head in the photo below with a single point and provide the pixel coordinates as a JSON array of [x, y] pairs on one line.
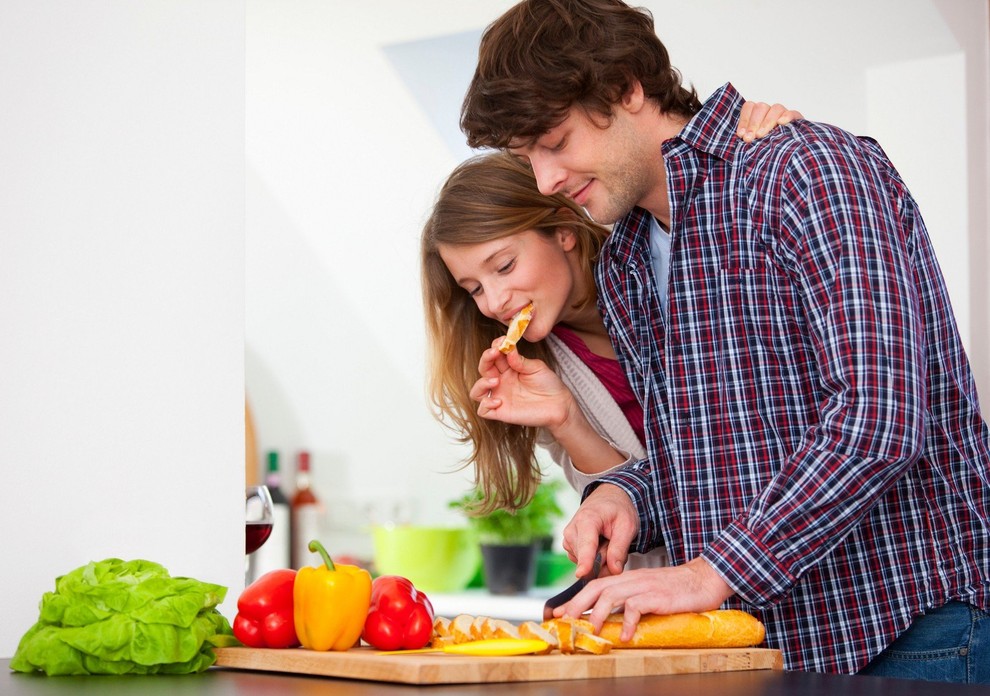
[[124, 617]]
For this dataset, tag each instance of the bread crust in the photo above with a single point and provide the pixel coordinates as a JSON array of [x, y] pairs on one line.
[[723, 628]]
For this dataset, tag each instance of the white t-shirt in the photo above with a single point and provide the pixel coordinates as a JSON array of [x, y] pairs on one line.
[[660, 254]]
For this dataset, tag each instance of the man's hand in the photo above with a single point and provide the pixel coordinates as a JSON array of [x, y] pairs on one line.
[[607, 512], [694, 586]]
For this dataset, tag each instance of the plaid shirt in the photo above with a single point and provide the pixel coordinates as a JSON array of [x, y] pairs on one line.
[[813, 425]]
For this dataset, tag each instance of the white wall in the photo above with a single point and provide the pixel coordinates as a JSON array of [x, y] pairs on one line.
[[352, 116], [121, 292]]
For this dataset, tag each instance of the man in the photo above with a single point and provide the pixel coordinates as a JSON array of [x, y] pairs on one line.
[[816, 453]]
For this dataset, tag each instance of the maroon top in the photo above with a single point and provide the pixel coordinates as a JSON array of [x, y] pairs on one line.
[[610, 373]]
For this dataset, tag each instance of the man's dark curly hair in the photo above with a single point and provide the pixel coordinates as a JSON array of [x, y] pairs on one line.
[[544, 56]]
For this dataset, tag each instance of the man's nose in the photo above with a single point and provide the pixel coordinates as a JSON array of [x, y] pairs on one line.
[[549, 177]]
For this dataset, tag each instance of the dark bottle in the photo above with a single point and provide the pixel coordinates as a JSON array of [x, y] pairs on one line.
[[275, 553]]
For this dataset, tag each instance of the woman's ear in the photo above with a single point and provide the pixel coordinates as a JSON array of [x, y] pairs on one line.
[[566, 238]]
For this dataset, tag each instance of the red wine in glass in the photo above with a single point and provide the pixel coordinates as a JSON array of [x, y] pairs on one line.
[[256, 534], [258, 517]]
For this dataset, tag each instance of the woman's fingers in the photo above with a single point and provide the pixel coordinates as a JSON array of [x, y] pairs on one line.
[[777, 115], [483, 388], [750, 118], [757, 119]]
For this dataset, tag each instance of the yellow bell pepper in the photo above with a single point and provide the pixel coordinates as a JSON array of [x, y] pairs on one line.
[[330, 603]]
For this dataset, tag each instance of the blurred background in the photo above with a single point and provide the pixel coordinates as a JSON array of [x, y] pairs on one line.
[[352, 124]]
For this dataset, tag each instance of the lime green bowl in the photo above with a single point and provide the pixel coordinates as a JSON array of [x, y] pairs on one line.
[[435, 559]]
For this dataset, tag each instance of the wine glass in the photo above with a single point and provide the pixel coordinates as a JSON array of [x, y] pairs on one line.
[[259, 517]]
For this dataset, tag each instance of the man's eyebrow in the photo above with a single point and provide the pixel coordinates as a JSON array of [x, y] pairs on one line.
[[524, 142]]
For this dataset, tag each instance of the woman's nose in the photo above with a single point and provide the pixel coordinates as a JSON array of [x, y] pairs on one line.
[[498, 297]]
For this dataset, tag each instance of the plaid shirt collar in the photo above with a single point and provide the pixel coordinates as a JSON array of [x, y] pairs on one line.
[[711, 131]]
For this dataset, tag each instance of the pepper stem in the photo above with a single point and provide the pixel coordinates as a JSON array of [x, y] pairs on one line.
[[317, 547]]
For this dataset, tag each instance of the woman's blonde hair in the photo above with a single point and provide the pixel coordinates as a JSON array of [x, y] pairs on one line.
[[489, 197]]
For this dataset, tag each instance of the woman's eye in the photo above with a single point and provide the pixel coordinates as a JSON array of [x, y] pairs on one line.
[[474, 292], [507, 267]]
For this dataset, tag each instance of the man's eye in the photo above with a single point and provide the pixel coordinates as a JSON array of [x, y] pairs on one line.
[[559, 146]]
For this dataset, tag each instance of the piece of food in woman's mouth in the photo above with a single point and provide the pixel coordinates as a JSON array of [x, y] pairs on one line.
[[516, 328]]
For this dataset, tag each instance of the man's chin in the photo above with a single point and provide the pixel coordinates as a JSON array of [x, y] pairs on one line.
[[604, 217]]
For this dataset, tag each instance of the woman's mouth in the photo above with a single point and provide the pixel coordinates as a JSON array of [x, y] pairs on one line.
[[507, 319]]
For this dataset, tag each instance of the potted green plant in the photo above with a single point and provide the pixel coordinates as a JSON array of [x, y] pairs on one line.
[[511, 542]]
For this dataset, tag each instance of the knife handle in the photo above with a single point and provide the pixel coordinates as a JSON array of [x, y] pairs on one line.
[[568, 594]]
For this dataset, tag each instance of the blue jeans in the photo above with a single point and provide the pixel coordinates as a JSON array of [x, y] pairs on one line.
[[949, 644]]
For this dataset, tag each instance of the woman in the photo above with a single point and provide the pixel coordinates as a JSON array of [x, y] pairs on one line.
[[493, 244]]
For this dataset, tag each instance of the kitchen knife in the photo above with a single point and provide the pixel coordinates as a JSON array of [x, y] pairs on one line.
[[568, 594]]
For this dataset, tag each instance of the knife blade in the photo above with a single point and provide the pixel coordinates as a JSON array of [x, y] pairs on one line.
[[568, 594]]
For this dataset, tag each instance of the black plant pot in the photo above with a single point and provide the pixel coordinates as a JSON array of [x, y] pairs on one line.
[[510, 569]]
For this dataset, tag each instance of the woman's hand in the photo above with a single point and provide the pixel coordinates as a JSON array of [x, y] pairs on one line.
[[757, 119], [521, 391], [525, 391]]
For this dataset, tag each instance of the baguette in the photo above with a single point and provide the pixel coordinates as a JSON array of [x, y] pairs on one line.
[[460, 628], [516, 328], [441, 627], [441, 641], [576, 635], [531, 629], [723, 628], [565, 636], [441, 633], [590, 643], [479, 628], [505, 629]]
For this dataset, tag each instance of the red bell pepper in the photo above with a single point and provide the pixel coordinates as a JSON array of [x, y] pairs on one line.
[[264, 612], [400, 616]]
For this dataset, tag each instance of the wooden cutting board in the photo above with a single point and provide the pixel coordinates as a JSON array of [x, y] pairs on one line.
[[440, 668]]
